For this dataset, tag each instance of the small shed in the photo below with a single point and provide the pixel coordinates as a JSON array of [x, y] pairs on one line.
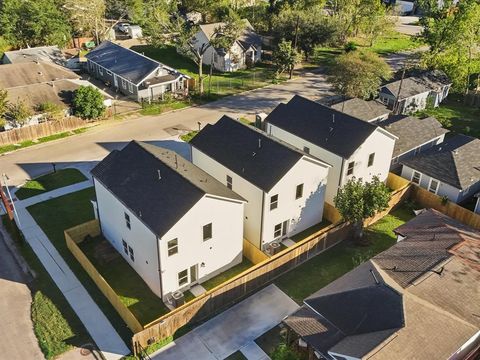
[[135, 31]]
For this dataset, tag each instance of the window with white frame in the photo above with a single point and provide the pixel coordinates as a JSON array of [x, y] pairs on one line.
[[416, 177], [125, 246], [127, 221], [130, 87], [229, 182], [371, 159], [433, 186], [351, 166], [124, 84], [183, 277], [132, 255], [172, 246], [273, 202], [277, 231]]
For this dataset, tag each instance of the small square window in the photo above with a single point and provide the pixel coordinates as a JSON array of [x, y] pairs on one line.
[[127, 221], [433, 188], [416, 177], [351, 165], [207, 232], [277, 231], [132, 255], [371, 159], [183, 277], [299, 191], [125, 246], [124, 83], [306, 149], [229, 182], [273, 202], [172, 247], [130, 87]]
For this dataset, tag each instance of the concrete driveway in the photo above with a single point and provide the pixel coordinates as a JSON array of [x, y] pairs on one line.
[[232, 330], [17, 339]]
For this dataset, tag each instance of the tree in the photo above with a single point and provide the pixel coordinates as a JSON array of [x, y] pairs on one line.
[[359, 74], [3, 102], [51, 111], [88, 103], [285, 57], [19, 113], [87, 17], [357, 201], [283, 352]]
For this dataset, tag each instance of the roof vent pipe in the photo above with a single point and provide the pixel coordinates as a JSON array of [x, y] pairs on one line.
[[259, 143], [159, 175]]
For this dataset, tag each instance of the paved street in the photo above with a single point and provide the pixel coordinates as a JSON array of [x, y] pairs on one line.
[[97, 142], [18, 339]]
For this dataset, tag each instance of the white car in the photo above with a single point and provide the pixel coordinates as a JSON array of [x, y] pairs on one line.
[[123, 27]]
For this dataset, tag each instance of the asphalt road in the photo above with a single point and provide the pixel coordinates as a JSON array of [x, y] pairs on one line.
[[96, 143]]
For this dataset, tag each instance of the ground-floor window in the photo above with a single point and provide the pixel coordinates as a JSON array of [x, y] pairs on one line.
[[183, 277], [416, 177]]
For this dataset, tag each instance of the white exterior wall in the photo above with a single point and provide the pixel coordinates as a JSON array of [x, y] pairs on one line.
[[300, 213], [378, 142], [143, 242], [253, 208], [220, 252]]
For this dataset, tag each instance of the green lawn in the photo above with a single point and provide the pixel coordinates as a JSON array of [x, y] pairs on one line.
[[228, 274], [456, 116], [311, 230], [28, 143], [58, 214], [333, 263], [52, 181], [127, 284], [158, 108], [55, 324], [189, 136]]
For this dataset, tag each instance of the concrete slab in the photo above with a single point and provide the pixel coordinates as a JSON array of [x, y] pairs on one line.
[[233, 329], [288, 242], [198, 290], [254, 352]]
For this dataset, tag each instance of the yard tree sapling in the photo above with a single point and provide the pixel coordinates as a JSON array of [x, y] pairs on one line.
[[88, 103], [357, 201], [285, 57]]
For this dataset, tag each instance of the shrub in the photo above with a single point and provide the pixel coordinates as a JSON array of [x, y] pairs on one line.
[[88, 103]]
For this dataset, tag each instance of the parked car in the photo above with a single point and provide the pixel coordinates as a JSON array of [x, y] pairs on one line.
[[123, 27]]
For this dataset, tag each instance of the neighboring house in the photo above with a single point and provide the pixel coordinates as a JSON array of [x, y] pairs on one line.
[[245, 52], [416, 92], [133, 74], [172, 222], [414, 136], [371, 111], [284, 187], [353, 147], [450, 169], [36, 54], [397, 306]]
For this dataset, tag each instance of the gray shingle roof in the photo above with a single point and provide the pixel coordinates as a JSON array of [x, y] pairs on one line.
[[40, 53], [456, 161], [361, 109], [412, 132], [156, 184], [247, 151]]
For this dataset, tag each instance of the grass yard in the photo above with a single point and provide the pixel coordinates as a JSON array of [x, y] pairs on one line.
[[28, 143], [127, 284], [228, 274], [189, 136], [456, 116], [52, 181], [311, 230], [158, 108], [333, 263], [58, 214], [55, 324]]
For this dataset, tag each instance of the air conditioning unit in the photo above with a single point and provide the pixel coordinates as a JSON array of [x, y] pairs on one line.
[[178, 299], [275, 247]]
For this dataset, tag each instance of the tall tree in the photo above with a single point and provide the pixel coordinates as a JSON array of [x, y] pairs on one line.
[[285, 57], [87, 17], [357, 201], [359, 74]]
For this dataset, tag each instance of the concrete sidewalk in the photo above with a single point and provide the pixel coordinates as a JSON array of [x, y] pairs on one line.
[[234, 329], [98, 326]]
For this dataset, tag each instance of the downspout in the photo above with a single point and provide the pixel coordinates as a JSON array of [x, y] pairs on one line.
[[159, 267], [261, 223], [341, 174], [98, 209]]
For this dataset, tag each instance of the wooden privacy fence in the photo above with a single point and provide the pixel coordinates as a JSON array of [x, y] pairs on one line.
[[33, 132], [253, 253], [75, 236]]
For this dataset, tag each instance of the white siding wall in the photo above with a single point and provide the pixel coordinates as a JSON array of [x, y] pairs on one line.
[[223, 250], [253, 208], [139, 237], [300, 213]]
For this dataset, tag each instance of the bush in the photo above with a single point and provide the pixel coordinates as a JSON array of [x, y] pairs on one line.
[[88, 103], [283, 352], [350, 46], [51, 110]]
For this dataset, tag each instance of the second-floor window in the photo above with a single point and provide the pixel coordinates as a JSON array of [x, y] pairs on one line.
[[132, 255], [229, 182], [299, 191], [371, 159], [273, 202], [127, 221], [351, 165], [207, 232], [125, 246], [172, 247]]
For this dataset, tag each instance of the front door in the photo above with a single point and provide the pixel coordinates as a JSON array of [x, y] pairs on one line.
[[284, 228], [193, 274]]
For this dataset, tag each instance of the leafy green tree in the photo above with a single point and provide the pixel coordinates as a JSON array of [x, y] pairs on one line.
[[4, 46], [3, 102], [283, 352], [359, 74], [88, 103], [285, 57], [19, 113], [357, 201]]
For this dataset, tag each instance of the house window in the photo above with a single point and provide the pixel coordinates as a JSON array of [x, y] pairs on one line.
[[183, 277], [207, 232], [371, 159], [277, 231], [273, 202], [416, 177], [132, 255], [172, 247], [100, 70], [109, 73], [351, 165], [299, 191], [130, 87], [229, 182], [306, 149], [127, 221], [124, 84], [433, 187], [125, 246]]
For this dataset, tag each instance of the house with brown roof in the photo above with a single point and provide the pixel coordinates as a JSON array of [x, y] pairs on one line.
[[371, 111], [416, 300]]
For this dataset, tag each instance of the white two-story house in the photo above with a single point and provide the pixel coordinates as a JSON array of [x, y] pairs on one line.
[[352, 147], [284, 187], [172, 222]]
